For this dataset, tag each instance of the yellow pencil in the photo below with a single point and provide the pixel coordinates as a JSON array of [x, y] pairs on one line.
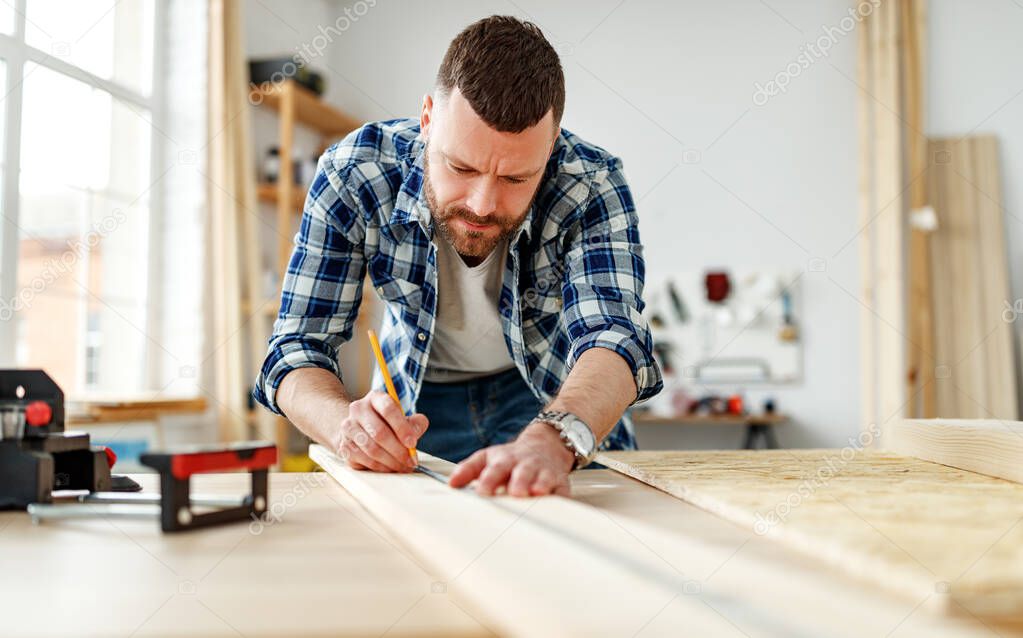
[[375, 344]]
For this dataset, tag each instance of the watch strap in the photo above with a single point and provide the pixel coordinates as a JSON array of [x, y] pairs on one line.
[[556, 420]]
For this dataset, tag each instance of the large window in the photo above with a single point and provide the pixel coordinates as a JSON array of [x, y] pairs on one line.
[[83, 164]]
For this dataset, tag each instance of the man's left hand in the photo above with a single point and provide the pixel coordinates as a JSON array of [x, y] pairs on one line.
[[534, 464]]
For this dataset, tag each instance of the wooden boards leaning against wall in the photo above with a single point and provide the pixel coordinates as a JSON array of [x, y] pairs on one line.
[[882, 218], [919, 306], [975, 374], [932, 296]]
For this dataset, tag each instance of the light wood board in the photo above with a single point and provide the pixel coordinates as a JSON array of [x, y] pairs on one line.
[[599, 564], [990, 447], [976, 375], [920, 326], [509, 562], [882, 298], [914, 527]]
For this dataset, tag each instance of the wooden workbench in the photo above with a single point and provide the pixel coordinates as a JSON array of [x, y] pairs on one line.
[[325, 567]]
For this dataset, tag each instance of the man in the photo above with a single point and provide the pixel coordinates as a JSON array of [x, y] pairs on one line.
[[506, 252]]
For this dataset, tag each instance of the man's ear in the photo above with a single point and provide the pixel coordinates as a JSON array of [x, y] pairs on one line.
[[557, 134], [426, 116]]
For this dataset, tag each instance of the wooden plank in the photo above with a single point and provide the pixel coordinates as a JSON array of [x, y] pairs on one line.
[[867, 203], [882, 214], [752, 587], [920, 327], [230, 194], [990, 447], [992, 248], [914, 527], [967, 366], [945, 311], [889, 300], [477, 549], [973, 341]]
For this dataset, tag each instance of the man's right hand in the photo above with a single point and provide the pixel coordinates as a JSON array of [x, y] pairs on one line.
[[376, 434]]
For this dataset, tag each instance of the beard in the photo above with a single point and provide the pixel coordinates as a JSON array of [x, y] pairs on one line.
[[472, 244]]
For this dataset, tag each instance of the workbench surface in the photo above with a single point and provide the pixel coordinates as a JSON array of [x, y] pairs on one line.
[[323, 566]]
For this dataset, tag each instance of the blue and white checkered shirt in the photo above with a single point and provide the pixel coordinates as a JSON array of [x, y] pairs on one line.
[[573, 280]]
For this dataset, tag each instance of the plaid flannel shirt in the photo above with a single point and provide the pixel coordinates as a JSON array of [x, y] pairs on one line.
[[573, 280]]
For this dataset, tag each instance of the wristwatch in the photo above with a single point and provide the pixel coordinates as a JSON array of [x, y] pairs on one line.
[[574, 433]]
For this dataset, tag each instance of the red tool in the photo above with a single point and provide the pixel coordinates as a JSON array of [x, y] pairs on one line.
[[57, 474], [175, 506]]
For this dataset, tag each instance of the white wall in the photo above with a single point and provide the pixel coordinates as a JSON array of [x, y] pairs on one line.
[[975, 86], [771, 186]]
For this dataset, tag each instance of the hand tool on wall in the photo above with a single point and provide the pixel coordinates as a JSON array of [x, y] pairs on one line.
[[681, 312], [718, 286]]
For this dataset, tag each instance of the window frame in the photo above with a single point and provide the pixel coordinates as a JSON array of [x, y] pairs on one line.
[[16, 53]]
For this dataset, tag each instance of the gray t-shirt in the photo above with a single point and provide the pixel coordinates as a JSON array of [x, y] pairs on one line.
[[468, 340]]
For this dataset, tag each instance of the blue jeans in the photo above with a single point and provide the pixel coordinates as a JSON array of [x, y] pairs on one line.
[[471, 415]]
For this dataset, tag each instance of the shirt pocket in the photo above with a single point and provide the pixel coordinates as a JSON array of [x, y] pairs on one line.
[[398, 293]]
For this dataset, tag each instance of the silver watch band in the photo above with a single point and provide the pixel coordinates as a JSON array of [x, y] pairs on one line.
[[576, 435]]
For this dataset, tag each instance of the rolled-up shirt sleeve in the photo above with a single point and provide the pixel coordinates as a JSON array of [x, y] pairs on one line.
[[322, 287], [603, 283]]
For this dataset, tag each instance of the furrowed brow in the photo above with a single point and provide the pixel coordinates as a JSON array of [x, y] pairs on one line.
[[463, 164]]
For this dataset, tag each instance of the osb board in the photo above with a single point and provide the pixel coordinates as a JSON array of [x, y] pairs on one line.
[[909, 525]]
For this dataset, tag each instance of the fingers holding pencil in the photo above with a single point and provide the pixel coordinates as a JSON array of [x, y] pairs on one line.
[[377, 435], [377, 431]]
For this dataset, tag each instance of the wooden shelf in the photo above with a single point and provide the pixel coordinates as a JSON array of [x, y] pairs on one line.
[[310, 110], [295, 106], [269, 193]]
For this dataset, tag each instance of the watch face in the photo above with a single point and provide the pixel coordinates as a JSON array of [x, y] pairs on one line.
[[579, 436]]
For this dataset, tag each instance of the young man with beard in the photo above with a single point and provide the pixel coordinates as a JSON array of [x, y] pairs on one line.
[[507, 254]]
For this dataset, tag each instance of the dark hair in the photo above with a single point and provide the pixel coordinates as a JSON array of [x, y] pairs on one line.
[[507, 70]]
